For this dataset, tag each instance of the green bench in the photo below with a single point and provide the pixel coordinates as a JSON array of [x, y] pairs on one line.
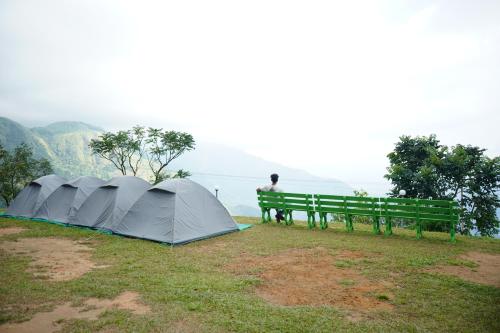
[[419, 210], [288, 203], [348, 206]]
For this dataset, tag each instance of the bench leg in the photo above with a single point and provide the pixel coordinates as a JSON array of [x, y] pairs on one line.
[[376, 225], [268, 216], [452, 233], [419, 229], [263, 215], [452, 229], [388, 226], [348, 223], [311, 220], [323, 223], [288, 217]]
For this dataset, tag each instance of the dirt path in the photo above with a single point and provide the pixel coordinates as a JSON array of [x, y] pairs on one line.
[[55, 258], [48, 322], [487, 271]]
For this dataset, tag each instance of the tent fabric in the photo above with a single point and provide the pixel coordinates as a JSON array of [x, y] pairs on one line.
[[176, 211], [29, 200], [106, 206], [67, 199]]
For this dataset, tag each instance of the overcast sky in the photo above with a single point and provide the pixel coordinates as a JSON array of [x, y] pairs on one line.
[[327, 86]]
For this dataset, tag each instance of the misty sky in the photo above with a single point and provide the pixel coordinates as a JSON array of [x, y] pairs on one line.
[[327, 86]]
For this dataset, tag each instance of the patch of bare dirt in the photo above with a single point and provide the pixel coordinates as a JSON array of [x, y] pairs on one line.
[[487, 271], [54, 258], [311, 277], [47, 322], [11, 230], [127, 301]]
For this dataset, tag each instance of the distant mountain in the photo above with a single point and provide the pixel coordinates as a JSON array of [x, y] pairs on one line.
[[235, 172], [12, 134], [65, 144]]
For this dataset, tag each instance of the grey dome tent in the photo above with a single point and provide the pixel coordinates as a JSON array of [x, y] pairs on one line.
[[29, 200], [176, 211], [67, 199], [108, 204]]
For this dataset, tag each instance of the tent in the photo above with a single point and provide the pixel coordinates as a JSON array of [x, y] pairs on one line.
[[108, 204], [176, 211], [66, 200], [29, 200]]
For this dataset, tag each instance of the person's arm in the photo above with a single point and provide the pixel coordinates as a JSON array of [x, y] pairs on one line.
[[263, 188]]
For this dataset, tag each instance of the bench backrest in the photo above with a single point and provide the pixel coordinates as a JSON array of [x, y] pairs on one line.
[[418, 209], [421, 209], [285, 201], [343, 204]]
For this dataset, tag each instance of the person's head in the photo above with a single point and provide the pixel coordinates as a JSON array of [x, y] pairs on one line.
[[274, 178]]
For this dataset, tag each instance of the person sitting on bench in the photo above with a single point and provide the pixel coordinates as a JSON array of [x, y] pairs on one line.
[[273, 188]]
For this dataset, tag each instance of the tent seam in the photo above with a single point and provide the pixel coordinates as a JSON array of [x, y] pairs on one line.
[[173, 219]]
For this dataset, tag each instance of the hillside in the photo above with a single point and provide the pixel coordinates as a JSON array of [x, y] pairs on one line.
[[65, 144], [236, 173]]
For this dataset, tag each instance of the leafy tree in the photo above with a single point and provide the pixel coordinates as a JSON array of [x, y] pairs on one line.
[[413, 167], [360, 193], [164, 176], [424, 168], [124, 149], [478, 196], [163, 148], [182, 174], [18, 168], [137, 141]]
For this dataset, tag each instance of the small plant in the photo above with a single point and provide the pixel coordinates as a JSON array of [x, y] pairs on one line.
[[347, 282], [382, 297], [343, 263], [194, 306]]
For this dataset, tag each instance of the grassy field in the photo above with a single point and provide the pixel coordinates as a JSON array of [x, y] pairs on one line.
[[190, 288]]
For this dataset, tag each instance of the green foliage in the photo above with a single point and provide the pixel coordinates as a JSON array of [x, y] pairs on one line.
[[424, 168], [360, 193], [18, 168], [414, 167], [164, 176], [123, 149], [164, 147], [478, 196], [126, 149], [182, 174]]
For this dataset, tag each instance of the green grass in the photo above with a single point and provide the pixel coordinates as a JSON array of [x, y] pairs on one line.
[[188, 285]]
